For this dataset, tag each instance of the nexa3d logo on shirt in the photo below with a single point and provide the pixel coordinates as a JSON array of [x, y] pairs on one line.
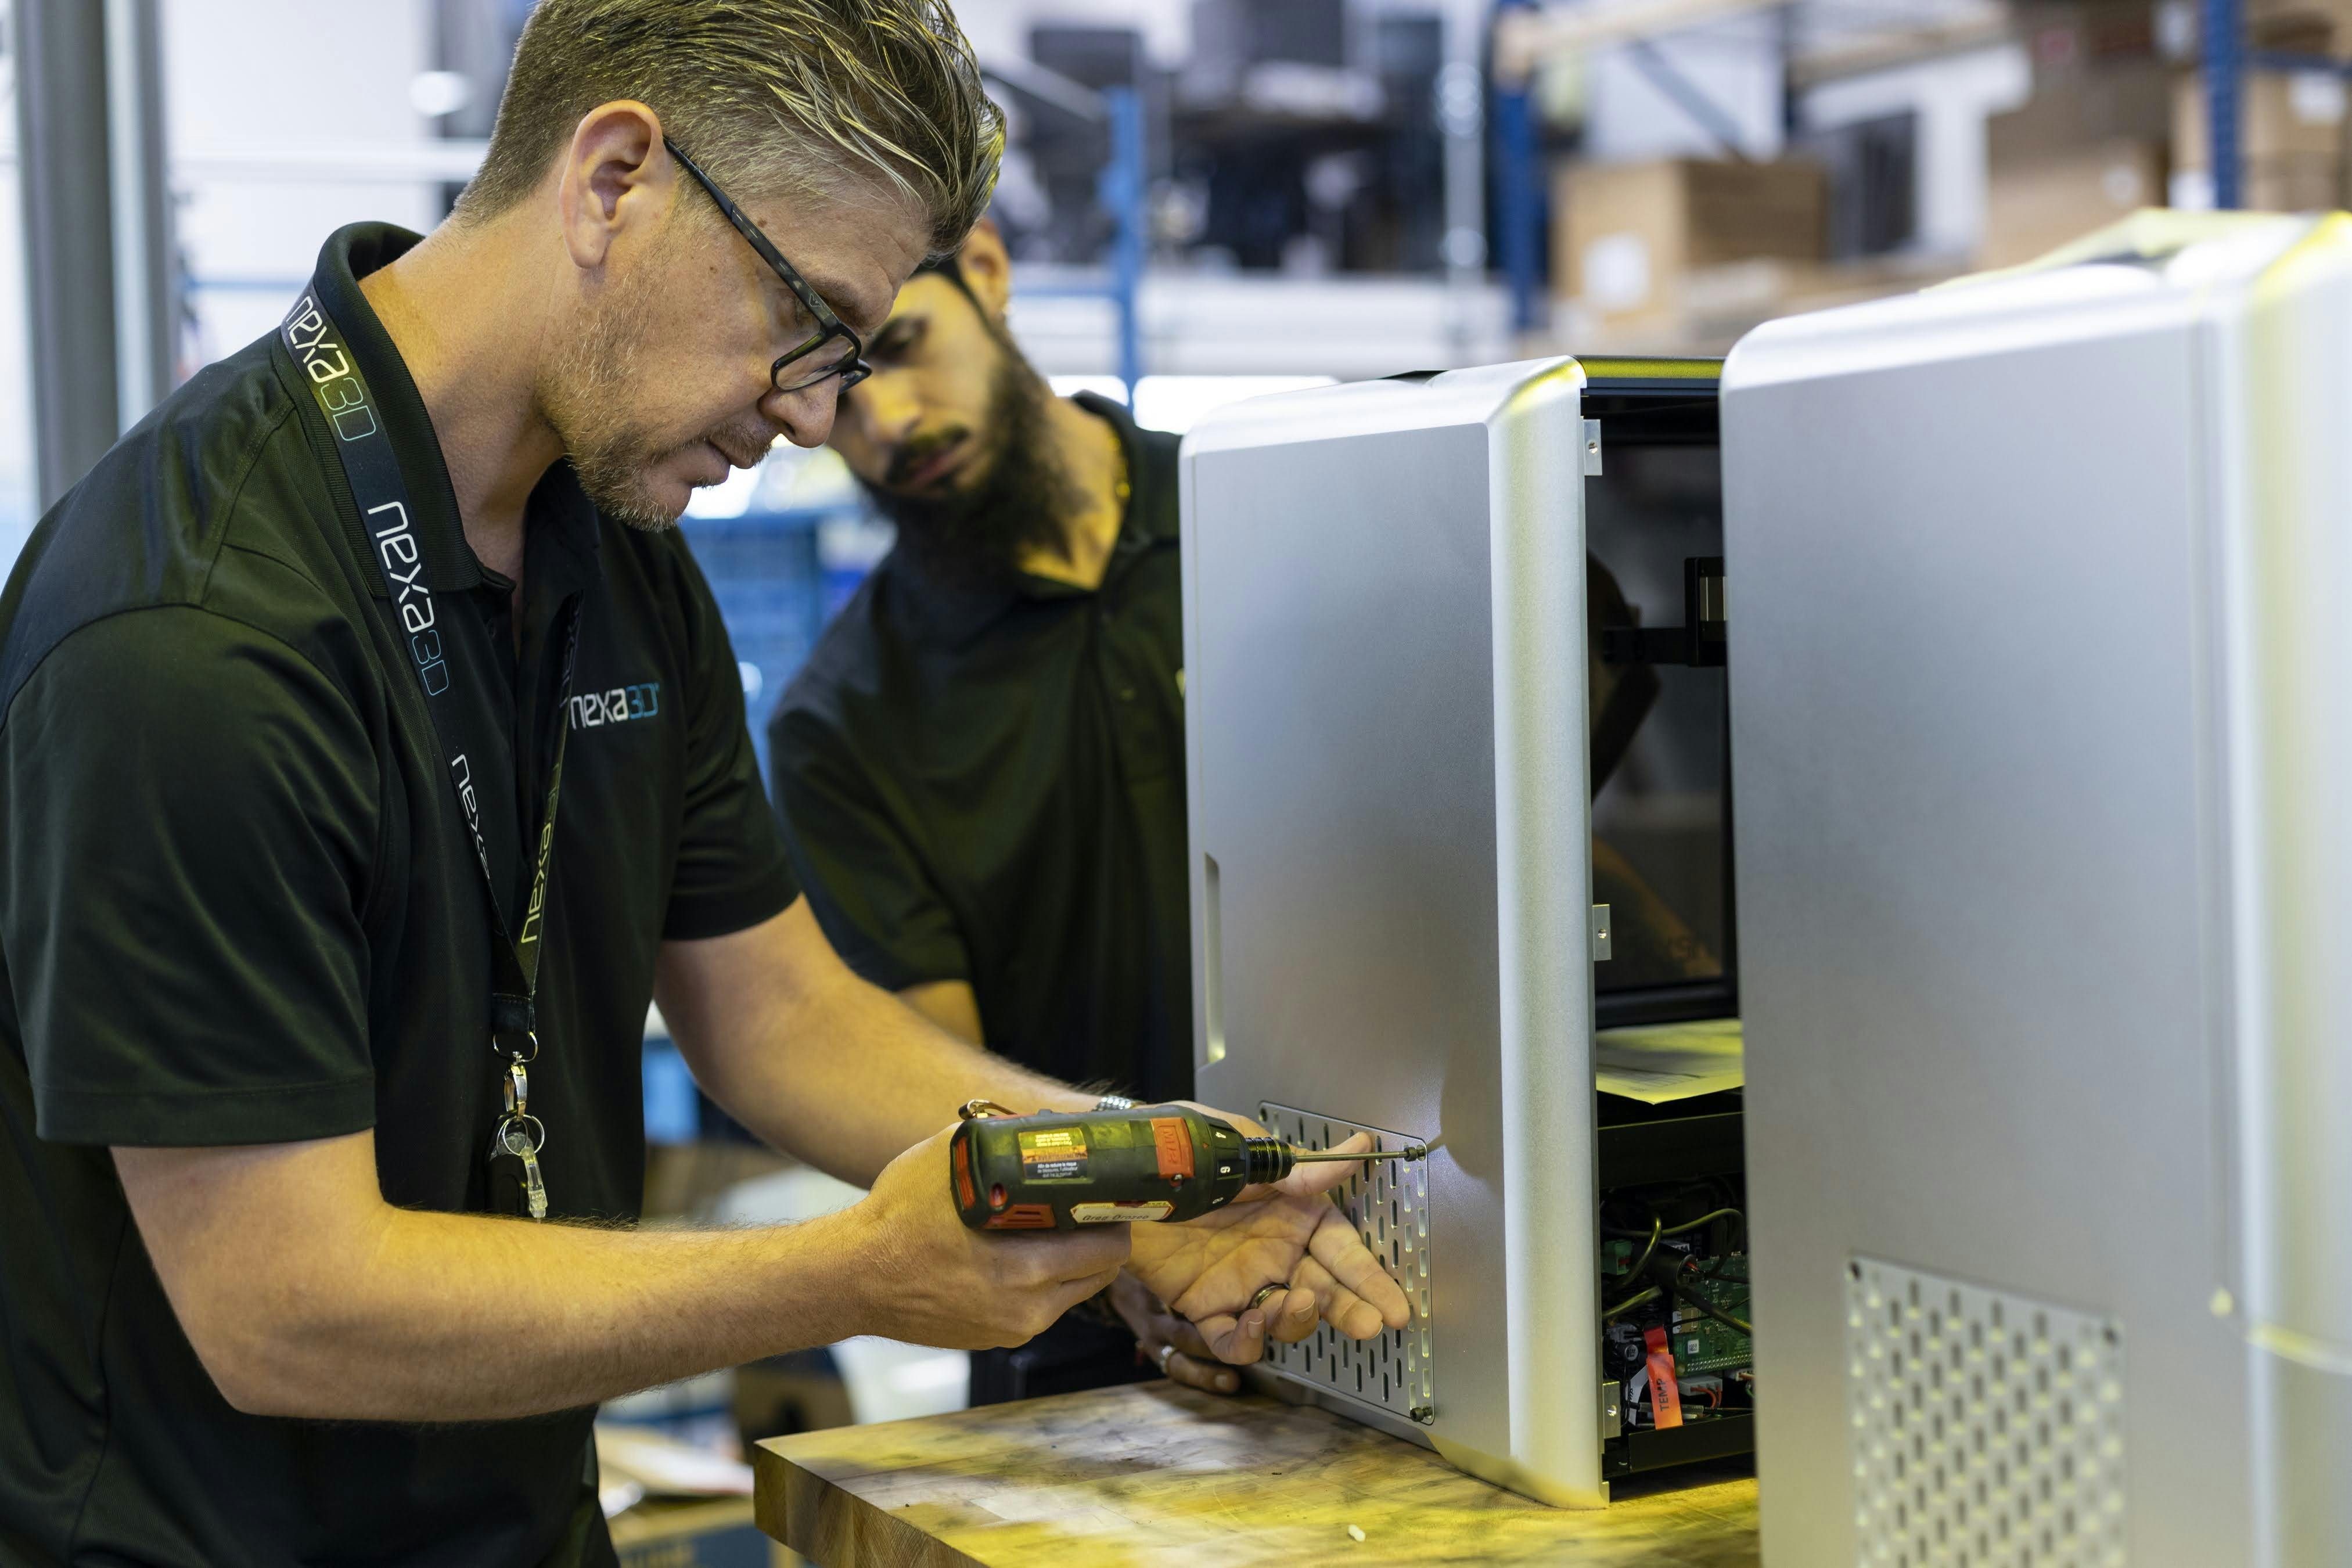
[[591, 710]]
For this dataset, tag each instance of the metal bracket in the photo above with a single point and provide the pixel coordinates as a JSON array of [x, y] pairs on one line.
[[1592, 448], [1601, 938]]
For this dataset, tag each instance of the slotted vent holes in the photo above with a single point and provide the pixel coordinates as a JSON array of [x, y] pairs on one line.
[[1389, 1203], [1987, 1428]]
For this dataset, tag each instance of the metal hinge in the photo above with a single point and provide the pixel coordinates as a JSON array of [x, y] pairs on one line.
[[1601, 933], [1592, 448], [1613, 1420]]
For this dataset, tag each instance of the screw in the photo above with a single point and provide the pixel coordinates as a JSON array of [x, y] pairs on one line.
[[1423, 1413]]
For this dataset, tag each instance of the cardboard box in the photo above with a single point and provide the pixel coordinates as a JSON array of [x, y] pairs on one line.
[[2293, 184], [1720, 305], [2298, 26], [2297, 32], [2296, 115], [2119, 101], [2089, 148], [2292, 133], [2066, 34], [2035, 204], [1627, 234]]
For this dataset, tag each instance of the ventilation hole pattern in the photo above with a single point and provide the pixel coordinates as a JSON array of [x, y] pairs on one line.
[[1389, 1203], [1987, 1428]]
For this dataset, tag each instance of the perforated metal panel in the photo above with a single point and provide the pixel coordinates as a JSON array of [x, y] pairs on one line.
[[1987, 1428], [1389, 1203]]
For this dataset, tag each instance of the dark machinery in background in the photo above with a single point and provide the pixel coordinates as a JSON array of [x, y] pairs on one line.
[[1300, 136]]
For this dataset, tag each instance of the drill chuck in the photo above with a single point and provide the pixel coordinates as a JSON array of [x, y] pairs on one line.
[[1270, 1159]]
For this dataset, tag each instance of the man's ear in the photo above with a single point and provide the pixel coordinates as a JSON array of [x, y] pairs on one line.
[[615, 173], [987, 269]]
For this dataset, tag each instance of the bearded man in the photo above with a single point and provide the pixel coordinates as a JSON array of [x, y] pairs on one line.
[[319, 1119], [981, 767]]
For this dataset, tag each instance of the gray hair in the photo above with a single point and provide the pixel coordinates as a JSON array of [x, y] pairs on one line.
[[773, 96]]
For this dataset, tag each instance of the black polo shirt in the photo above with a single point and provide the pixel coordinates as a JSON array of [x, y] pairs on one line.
[[989, 786], [240, 906]]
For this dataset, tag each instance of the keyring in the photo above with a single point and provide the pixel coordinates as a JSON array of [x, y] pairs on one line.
[[520, 1135], [1263, 1291]]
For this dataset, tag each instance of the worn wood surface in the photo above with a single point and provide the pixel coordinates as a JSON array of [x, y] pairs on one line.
[[1154, 1474]]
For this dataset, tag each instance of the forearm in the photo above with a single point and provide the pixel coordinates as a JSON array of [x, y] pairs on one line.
[[819, 1063], [455, 1318], [854, 1074], [305, 1294]]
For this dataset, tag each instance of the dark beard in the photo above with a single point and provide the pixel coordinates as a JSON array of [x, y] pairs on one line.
[[1023, 502]]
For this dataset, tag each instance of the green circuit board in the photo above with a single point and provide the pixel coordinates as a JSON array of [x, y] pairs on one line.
[[1700, 1343]]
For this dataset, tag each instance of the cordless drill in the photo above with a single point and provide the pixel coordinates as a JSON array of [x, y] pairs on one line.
[[1058, 1170]]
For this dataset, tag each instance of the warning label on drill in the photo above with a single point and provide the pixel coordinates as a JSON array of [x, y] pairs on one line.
[[1052, 1152], [1114, 1213]]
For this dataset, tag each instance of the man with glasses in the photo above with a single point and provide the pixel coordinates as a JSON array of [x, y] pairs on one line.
[[372, 754], [981, 767]]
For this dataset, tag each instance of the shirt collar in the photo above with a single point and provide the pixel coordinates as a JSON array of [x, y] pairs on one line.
[[558, 511], [1151, 511]]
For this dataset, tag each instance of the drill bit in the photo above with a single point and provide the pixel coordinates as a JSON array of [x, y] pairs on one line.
[[1270, 1159], [1409, 1151]]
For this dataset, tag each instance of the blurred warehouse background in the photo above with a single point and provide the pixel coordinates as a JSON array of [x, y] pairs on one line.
[[1217, 197], [1206, 199]]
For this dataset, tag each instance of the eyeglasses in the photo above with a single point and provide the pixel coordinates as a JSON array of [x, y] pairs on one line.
[[834, 349]]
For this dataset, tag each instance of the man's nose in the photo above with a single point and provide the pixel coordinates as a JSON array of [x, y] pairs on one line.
[[804, 417]]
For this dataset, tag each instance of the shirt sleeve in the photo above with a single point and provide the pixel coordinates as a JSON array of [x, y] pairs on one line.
[[864, 878], [731, 872], [191, 821]]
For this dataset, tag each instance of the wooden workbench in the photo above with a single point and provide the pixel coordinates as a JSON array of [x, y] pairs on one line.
[[1154, 1474]]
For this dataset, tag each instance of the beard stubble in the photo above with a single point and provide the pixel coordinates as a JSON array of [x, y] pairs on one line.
[[588, 392]]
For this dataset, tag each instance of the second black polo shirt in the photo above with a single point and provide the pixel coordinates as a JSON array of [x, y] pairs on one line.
[[989, 786]]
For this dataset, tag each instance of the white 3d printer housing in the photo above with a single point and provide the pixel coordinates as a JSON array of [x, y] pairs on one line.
[[1391, 842], [2042, 698]]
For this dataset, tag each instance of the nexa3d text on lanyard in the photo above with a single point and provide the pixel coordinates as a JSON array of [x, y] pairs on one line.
[[322, 351]]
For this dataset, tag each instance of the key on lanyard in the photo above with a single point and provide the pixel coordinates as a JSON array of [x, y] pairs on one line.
[[520, 1134]]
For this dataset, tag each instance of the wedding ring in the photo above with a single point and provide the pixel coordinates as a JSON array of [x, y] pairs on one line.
[[1266, 1290], [1165, 1352]]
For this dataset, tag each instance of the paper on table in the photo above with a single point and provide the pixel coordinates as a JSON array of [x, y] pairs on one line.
[[1655, 1063], [663, 1466]]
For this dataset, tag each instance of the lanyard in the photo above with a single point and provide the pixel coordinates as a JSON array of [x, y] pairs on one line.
[[322, 354]]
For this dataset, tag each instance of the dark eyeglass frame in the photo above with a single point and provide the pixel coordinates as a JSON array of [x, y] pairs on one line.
[[851, 368]]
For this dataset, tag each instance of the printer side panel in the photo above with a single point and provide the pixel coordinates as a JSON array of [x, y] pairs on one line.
[[1972, 750], [1341, 626], [1343, 703]]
